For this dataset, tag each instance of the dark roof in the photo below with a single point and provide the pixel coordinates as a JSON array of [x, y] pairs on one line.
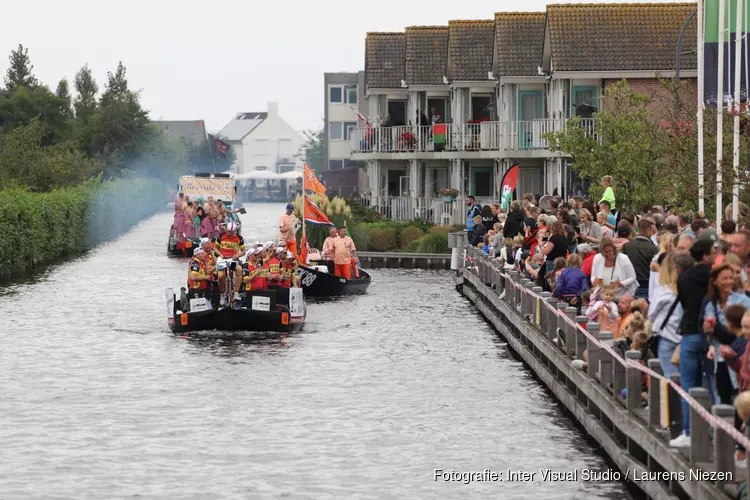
[[619, 37], [385, 59], [519, 43], [192, 130], [426, 55], [470, 49]]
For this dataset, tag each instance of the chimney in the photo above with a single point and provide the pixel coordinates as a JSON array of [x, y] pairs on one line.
[[273, 109]]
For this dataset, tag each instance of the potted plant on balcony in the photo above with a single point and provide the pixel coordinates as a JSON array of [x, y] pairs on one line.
[[449, 195]]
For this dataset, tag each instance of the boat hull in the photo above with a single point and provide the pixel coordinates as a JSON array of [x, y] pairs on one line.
[[242, 319], [319, 284]]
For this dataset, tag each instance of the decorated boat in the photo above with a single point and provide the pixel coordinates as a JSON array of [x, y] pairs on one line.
[[199, 187], [277, 310]]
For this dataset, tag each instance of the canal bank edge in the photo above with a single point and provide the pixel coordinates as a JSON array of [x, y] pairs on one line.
[[629, 441], [38, 228]]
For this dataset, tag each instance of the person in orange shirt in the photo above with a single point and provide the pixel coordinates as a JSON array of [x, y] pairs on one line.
[[343, 250], [286, 228], [328, 244]]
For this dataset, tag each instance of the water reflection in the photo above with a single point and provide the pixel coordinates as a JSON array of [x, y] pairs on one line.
[[100, 400]]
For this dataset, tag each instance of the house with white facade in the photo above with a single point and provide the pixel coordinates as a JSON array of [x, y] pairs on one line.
[[263, 141], [498, 86]]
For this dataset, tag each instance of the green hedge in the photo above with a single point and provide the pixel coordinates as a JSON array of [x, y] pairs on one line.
[[39, 227], [405, 236]]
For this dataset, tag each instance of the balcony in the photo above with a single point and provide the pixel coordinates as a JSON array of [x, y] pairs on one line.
[[485, 136], [435, 210]]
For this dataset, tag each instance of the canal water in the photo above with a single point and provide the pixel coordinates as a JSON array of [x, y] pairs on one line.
[[99, 400]]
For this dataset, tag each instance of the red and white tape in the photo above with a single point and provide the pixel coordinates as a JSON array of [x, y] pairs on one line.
[[705, 414]]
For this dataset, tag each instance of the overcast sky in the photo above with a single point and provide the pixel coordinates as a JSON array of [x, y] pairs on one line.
[[203, 60]]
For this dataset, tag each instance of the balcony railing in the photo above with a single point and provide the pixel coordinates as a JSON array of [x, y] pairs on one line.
[[435, 210], [485, 136]]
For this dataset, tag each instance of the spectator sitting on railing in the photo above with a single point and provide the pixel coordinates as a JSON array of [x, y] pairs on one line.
[[477, 235], [554, 275], [507, 255], [572, 283]]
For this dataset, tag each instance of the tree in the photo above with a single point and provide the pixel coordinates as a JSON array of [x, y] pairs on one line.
[[19, 73], [86, 87], [63, 93], [20, 106], [314, 149]]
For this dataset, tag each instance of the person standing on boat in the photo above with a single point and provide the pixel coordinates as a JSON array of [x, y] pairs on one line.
[[333, 234], [200, 274], [230, 246], [287, 223], [343, 252]]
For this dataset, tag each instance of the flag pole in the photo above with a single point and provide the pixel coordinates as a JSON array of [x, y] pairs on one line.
[[719, 113], [736, 107], [701, 79], [302, 210]]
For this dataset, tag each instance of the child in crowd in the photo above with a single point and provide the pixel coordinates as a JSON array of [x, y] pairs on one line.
[[605, 305], [517, 250], [507, 255]]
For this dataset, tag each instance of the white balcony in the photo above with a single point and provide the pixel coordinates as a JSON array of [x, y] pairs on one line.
[[484, 136], [435, 210]]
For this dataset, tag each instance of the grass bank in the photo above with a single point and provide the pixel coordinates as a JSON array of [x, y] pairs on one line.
[[36, 228]]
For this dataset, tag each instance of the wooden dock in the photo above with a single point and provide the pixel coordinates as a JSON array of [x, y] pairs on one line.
[[545, 333], [373, 260]]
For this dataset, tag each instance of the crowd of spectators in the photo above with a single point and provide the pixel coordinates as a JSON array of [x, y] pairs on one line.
[[668, 283]]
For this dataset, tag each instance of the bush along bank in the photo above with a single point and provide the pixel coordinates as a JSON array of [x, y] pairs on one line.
[[39, 227], [405, 236]]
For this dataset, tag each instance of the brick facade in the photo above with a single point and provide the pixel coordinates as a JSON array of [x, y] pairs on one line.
[[662, 100]]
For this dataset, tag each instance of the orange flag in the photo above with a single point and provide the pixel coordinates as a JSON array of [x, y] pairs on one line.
[[303, 251], [314, 215], [312, 183]]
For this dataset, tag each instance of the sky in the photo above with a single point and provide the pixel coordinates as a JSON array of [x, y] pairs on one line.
[[196, 60]]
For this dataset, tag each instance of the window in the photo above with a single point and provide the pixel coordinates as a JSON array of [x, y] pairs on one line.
[[349, 128], [335, 130], [351, 94], [335, 164], [335, 94]]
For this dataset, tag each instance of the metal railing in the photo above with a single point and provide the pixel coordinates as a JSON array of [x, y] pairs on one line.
[[609, 382], [435, 210], [484, 136]]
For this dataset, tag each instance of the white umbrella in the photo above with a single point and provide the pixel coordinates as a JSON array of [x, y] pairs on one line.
[[293, 175], [258, 174]]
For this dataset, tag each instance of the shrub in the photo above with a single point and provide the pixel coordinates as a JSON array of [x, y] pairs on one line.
[[442, 230], [40, 227], [414, 246], [361, 237], [434, 243], [408, 235], [383, 239]]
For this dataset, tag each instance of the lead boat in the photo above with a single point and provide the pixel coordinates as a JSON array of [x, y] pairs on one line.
[[276, 310], [319, 281]]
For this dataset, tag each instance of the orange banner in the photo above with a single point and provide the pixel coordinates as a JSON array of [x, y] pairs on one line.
[[312, 183]]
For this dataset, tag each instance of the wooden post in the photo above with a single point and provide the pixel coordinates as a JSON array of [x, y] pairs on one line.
[[510, 294], [633, 381], [551, 330], [536, 313], [675, 408], [524, 306], [605, 362], [723, 442], [580, 339], [618, 379], [654, 394], [700, 432], [560, 330], [530, 302], [544, 316], [599, 361]]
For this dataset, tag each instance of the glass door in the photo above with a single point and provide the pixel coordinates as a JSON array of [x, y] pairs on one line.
[[481, 182], [529, 109]]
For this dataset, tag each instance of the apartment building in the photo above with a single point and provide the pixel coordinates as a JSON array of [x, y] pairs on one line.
[[499, 85], [344, 96]]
